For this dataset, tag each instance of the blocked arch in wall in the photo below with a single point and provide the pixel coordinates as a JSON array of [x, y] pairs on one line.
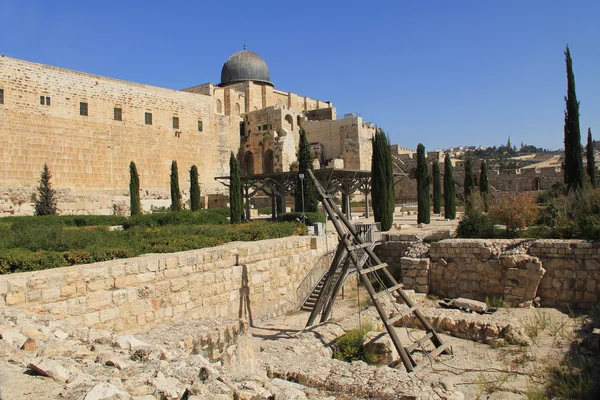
[[268, 162], [219, 107], [536, 183], [288, 123], [248, 163]]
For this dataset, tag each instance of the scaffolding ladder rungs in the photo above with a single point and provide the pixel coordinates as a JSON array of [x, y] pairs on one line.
[[400, 315], [360, 246], [373, 269], [419, 342], [427, 360], [388, 290]]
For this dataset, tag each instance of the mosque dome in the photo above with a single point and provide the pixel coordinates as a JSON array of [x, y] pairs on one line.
[[245, 66]]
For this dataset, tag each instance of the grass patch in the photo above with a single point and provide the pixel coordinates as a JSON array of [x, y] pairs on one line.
[[572, 379], [490, 386], [350, 346], [494, 302], [536, 325]]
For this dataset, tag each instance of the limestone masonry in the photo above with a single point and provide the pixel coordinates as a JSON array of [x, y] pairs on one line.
[[88, 129]]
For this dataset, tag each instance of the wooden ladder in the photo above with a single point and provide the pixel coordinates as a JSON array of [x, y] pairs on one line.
[[352, 250]]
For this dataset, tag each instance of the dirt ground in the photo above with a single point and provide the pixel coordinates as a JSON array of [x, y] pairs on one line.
[[478, 370]]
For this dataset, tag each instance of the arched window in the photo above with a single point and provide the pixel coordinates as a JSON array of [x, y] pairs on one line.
[[536, 184], [237, 109], [268, 162], [248, 163], [298, 121], [289, 123], [219, 107]]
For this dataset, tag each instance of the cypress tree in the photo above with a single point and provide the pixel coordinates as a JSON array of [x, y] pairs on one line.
[[382, 181], [175, 193], [423, 181], [591, 163], [449, 189], [235, 191], [134, 190], [194, 189], [469, 181], [437, 188], [46, 202], [305, 162], [573, 161], [484, 186]]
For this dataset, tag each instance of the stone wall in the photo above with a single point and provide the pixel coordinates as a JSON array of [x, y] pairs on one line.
[[141, 292], [560, 272]]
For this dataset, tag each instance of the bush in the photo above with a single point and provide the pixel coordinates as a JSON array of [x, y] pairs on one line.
[[22, 260], [202, 217], [311, 217], [558, 189], [579, 215], [28, 247], [475, 223], [67, 220], [515, 211], [350, 346]]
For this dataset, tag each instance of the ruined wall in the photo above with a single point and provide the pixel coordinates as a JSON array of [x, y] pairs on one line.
[[348, 139], [560, 272], [141, 292], [90, 154]]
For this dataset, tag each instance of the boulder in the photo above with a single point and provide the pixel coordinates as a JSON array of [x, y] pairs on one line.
[[470, 305], [14, 337], [128, 342], [49, 368], [106, 391], [287, 390], [380, 344]]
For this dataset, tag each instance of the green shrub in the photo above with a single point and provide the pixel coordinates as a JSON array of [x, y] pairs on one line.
[[494, 302], [66, 220], [311, 217], [202, 217], [475, 223], [350, 346], [22, 260]]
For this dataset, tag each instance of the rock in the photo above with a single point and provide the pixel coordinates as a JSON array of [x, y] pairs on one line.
[[49, 368], [14, 337], [447, 383], [458, 396], [516, 335], [60, 334], [128, 342], [381, 345], [287, 390], [327, 332], [470, 305], [167, 388], [29, 345], [111, 359], [504, 396], [106, 391], [150, 397]]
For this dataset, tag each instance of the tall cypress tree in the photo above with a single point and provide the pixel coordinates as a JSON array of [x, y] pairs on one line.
[[423, 182], [573, 160], [194, 189], [175, 193], [382, 181], [469, 181], [437, 188], [449, 189], [484, 186], [591, 163], [235, 191], [305, 162], [46, 202], [134, 190]]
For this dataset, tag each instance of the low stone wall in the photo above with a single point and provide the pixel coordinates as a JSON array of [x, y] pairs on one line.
[[560, 272], [138, 293], [392, 249], [415, 274]]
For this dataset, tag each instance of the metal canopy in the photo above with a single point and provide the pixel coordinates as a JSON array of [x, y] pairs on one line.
[[280, 184]]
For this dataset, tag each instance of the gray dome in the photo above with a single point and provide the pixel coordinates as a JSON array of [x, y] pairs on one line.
[[245, 66]]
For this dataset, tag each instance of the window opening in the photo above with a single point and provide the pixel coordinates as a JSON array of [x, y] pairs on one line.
[[118, 114], [148, 118], [83, 109]]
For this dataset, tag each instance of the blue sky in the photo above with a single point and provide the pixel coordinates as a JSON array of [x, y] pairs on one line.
[[443, 73]]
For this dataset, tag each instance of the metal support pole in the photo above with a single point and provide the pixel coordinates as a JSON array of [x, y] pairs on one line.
[[367, 204]]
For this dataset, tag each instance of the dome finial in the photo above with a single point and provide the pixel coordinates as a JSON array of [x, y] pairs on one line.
[[244, 45]]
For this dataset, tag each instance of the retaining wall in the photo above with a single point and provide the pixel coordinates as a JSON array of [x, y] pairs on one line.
[[138, 293]]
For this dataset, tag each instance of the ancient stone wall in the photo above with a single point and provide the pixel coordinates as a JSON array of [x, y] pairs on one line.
[[90, 154], [560, 272], [138, 293]]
